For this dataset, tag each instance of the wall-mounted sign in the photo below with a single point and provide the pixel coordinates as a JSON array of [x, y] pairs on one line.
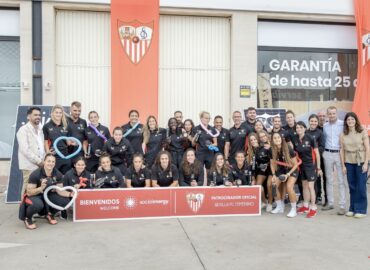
[[245, 91]]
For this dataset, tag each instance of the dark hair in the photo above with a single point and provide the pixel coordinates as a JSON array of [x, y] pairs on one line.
[[313, 116], [104, 155], [133, 111], [224, 170], [49, 155], [33, 108], [240, 152], [177, 112], [168, 124], [218, 116], [284, 150], [91, 112], [116, 129], [301, 123], [191, 122], [186, 166], [137, 155], [76, 104], [251, 109], [157, 162], [290, 112], [358, 126], [79, 159]]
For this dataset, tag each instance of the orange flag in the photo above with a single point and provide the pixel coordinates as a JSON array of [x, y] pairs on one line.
[[134, 54], [361, 103]]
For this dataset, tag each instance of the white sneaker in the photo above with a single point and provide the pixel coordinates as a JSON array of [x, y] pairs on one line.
[[350, 214], [282, 207], [277, 210], [268, 208], [292, 213]]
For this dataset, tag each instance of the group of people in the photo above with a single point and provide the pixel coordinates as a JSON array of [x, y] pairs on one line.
[[145, 155]]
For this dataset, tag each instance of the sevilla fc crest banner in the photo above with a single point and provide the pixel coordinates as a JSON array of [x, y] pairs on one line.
[[361, 103], [135, 39], [135, 58]]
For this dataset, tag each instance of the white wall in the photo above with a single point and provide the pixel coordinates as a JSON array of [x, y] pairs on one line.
[[9, 22], [334, 7], [83, 60], [194, 66]]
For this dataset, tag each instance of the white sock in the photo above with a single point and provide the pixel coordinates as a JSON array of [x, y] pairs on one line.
[[305, 204], [293, 205]]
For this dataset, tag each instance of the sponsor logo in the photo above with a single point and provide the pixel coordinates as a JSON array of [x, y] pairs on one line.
[[130, 203]]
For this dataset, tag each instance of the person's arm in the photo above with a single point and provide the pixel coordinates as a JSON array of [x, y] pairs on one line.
[[182, 177], [272, 167], [227, 150], [201, 176], [25, 149], [342, 155], [365, 167], [33, 190], [128, 183], [295, 167], [214, 140], [154, 177], [175, 174], [64, 193]]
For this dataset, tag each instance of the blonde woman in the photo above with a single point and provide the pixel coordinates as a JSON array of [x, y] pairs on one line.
[[55, 128]]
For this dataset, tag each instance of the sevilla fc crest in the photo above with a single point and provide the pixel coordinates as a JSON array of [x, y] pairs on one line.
[[195, 201], [135, 39]]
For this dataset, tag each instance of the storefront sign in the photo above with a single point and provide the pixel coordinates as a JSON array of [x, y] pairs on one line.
[[113, 204]]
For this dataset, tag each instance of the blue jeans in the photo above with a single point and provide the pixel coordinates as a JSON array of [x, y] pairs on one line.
[[357, 188]]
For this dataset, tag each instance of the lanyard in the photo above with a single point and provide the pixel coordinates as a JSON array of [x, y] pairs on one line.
[[97, 132], [128, 132]]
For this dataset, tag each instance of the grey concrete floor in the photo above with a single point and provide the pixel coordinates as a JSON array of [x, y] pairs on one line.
[[270, 241]]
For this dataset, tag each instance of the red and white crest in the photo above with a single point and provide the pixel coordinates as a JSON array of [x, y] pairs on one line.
[[135, 39], [195, 201]]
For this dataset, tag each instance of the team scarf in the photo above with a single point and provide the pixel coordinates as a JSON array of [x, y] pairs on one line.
[[209, 132], [128, 132], [97, 132]]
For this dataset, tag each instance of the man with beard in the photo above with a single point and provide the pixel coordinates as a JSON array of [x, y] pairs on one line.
[[77, 126], [31, 145]]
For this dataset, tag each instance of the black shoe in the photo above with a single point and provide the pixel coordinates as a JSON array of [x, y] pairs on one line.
[[64, 215]]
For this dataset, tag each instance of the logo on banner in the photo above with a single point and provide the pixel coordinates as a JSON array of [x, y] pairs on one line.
[[195, 201], [365, 49], [135, 39], [130, 203]]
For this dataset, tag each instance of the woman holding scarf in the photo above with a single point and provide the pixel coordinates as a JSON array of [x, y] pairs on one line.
[[133, 132], [205, 139], [96, 135]]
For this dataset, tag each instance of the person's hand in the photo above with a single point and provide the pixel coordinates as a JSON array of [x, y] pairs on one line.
[[193, 183], [87, 156], [73, 143], [72, 194], [273, 180], [44, 183], [319, 172], [365, 167], [52, 151], [228, 184], [344, 170], [77, 186]]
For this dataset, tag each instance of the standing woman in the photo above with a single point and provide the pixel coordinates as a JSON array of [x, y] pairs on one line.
[[137, 174], [284, 168], [186, 132], [220, 174], [133, 132], [354, 155], [205, 138], [39, 180], [164, 173], [191, 171], [175, 142], [96, 135], [260, 165], [306, 147], [241, 170], [55, 128], [108, 176], [78, 177], [153, 140], [316, 133], [120, 150]]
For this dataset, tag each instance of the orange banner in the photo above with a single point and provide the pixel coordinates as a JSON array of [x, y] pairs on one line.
[[112, 204], [361, 103], [134, 54]]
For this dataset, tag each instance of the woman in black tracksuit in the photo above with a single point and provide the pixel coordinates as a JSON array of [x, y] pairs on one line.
[[164, 173], [175, 142], [191, 170], [78, 177], [120, 150], [108, 176], [96, 135]]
